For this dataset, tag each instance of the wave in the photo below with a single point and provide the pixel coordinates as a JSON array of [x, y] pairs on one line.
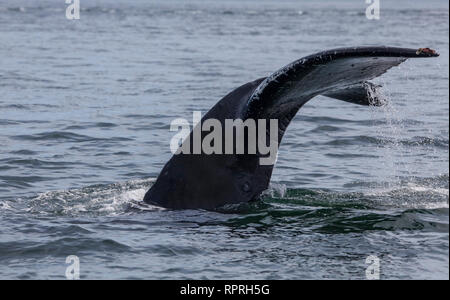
[[66, 136], [126, 198], [416, 141]]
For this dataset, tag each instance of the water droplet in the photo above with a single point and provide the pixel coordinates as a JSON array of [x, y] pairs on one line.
[[246, 187]]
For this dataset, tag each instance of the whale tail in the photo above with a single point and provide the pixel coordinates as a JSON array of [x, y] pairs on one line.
[[364, 93], [210, 181]]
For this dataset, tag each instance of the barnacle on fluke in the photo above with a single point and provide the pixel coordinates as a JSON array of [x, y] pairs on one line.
[[426, 51]]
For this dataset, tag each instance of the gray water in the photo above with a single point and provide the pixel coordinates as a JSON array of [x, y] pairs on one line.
[[85, 110]]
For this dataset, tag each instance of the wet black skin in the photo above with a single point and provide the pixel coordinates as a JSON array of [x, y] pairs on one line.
[[193, 181]]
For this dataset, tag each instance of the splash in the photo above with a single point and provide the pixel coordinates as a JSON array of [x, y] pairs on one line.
[[125, 198], [97, 200]]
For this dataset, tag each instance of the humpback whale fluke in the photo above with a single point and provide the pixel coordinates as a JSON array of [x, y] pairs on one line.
[[210, 181]]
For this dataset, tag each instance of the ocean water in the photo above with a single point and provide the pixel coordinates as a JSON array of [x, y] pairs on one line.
[[85, 110]]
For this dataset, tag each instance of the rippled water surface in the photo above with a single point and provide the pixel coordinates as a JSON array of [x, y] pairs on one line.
[[85, 109]]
